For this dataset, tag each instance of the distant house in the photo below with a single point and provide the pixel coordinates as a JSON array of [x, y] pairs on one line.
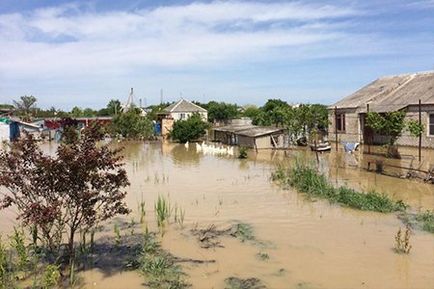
[[347, 117], [179, 110], [248, 135], [183, 109]]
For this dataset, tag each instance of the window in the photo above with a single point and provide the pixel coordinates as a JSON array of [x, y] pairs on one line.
[[431, 124], [182, 116], [340, 122]]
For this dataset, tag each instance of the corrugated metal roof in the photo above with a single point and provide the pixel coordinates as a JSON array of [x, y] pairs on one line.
[[392, 93], [184, 106]]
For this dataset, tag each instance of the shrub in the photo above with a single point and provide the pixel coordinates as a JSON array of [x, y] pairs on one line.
[[190, 129]]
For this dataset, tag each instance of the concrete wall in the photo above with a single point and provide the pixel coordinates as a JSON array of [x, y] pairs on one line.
[[262, 142], [246, 141], [4, 132], [166, 126]]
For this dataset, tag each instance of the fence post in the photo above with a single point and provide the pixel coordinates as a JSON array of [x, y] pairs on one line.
[[420, 134], [371, 136], [336, 127]]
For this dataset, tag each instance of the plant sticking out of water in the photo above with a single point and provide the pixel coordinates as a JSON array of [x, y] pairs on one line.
[[238, 283], [7, 279], [243, 153], [307, 180], [179, 216], [402, 242], [162, 211], [117, 232], [263, 256], [142, 211], [426, 219], [159, 267], [243, 232]]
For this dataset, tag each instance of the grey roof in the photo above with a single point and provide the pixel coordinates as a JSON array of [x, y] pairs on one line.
[[184, 106], [249, 130], [392, 93]]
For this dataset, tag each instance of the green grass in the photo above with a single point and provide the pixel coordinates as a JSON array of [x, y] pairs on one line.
[[307, 180], [426, 220], [162, 211]]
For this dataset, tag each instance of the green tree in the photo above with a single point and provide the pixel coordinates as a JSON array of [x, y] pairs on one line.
[[221, 111], [390, 124], [251, 111], [190, 129], [76, 112], [132, 124]]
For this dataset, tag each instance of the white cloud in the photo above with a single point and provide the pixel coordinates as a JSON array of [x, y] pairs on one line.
[[76, 40]]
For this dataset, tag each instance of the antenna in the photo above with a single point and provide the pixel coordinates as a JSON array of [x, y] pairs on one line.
[[140, 102]]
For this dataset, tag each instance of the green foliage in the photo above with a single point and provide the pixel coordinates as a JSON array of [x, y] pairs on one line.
[[427, 220], [243, 153], [6, 276], [251, 111], [415, 128], [132, 124], [307, 180], [17, 243], [162, 211], [389, 124], [51, 276], [221, 111], [243, 232], [190, 129]]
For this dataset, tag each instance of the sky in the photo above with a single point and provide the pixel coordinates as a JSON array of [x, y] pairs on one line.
[[84, 53]]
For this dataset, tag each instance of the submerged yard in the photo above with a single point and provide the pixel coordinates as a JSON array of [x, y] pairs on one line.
[[231, 226]]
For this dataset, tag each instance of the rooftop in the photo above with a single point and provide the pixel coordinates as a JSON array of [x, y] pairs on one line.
[[392, 93], [184, 105], [249, 130]]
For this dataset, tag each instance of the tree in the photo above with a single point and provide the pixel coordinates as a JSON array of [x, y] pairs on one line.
[[251, 111], [76, 112], [190, 129], [132, 124], [390, 124], [221, 111], [72, 191], [26, 106]]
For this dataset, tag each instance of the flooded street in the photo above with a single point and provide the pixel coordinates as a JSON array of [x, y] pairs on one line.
[[309, 244]]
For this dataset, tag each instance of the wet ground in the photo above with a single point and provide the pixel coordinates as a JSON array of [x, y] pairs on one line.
[[308, 244]]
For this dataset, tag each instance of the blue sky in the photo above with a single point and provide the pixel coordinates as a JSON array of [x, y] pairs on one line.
[[87, 52]]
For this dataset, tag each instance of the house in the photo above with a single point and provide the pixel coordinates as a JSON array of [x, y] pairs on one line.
[[10, 129], [179, 110], [347, 117], [248, 135]]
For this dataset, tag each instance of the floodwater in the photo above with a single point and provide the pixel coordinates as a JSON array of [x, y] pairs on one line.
[[311, 244]]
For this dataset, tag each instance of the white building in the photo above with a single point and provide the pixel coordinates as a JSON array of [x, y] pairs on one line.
[[183, 109]]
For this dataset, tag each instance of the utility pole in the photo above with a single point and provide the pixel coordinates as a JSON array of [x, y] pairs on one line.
[[161, 96], [420, 134], [336, 127], [371, 135]]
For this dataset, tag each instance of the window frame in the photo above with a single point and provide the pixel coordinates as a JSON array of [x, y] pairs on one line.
[[341, 120], [429, 133]]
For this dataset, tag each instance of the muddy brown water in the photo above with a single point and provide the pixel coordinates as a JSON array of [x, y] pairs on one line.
[[311, 244]]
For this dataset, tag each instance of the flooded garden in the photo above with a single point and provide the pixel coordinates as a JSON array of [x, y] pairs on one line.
[[210, 221]]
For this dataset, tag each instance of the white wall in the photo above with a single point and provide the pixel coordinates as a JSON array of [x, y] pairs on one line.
[[177, 115], [4, 132]]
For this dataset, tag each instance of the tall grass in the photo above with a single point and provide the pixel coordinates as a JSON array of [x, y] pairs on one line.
[[426, 219], [162, 211], [307, 180]]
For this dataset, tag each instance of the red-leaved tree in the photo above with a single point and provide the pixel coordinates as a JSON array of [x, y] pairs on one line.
[[79, 187]]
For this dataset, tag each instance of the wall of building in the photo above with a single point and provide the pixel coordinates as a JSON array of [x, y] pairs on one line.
[[352, 127], [246, 141], [166, 126], [353, 131], [178, 115]]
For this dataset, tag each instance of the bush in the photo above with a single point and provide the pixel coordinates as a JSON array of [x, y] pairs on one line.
[[190, 129], [132, 124]]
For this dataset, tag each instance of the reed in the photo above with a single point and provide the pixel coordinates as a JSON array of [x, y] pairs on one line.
[[426, 219], [162, 211]]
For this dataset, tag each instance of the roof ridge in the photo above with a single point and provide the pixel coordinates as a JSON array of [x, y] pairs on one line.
[[407, 74]]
